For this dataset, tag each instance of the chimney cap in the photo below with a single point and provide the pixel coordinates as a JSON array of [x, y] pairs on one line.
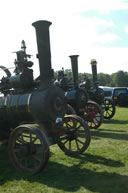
[[93, 62]]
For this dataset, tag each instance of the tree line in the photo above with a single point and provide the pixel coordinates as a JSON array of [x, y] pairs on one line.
[[117, 79]]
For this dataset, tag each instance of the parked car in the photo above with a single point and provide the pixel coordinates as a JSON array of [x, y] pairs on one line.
[[120, 96]]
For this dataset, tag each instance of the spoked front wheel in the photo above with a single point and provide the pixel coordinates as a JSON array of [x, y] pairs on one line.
[[28, 149], [76, 135], [108, 108]]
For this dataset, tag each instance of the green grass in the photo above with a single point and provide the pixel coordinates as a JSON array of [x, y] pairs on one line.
[[103, 168]]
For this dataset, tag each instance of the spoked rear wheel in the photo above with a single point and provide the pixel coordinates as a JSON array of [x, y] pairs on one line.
[[108, 108], [28, 149], [93, 115], [76, 136]]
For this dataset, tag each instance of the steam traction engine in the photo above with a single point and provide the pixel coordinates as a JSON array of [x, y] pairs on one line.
[[32, 111], [97, 94], [77, 97]]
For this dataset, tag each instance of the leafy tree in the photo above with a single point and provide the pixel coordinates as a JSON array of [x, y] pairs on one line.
[[104, 79], [120, 79]]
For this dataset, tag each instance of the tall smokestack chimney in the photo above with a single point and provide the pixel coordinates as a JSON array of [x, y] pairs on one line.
[[94, 70], [43, 45], [74, 64]]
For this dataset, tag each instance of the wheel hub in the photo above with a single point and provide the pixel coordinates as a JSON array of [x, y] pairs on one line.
[[71, 135], [92, 115], [106, 108]]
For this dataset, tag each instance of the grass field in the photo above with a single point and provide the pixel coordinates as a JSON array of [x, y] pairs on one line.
[[103, 168]]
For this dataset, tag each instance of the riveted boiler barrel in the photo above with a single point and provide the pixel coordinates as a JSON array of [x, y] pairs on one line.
[[14, 110], [43, 104], [17, 108], [40, 105]]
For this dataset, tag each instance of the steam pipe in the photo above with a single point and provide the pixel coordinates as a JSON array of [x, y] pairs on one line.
[[74, 64], [43, 45]]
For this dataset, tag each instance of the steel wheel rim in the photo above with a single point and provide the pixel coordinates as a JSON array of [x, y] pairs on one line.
[[28, 150], [75, 139], [108, 109], [93, 116]]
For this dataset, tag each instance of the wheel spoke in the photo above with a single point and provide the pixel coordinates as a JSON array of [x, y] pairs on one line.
[[93, 122], [23, 161], [68, 125], [34, 139], [21, 141], [97, 119], [30, 137], [63, 137], [18, 147], [108, 113], [82, 135], [69, 145], [77, 144], [78, 127], [80, 141], [65, 142]]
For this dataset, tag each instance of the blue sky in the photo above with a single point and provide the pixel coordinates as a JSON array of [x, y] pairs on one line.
[[120, 21], [89, 28]]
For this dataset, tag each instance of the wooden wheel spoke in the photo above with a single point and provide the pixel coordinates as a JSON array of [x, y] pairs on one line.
[[63, 137], [70, 146], [81, 134], [97, 119], [90, 124], [20, 140], [65, 141], [68, 125], [71, 126], [110, 110], [23, 161], [30, 137], [34, 139], [77, 144], [80, 141], [78, 127], [108, 113], [94, 122]]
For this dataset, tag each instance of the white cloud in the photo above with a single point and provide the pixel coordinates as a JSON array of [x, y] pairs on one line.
[[112, 59]]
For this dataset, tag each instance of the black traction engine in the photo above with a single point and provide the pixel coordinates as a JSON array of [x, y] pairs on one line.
[[32, 111]]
